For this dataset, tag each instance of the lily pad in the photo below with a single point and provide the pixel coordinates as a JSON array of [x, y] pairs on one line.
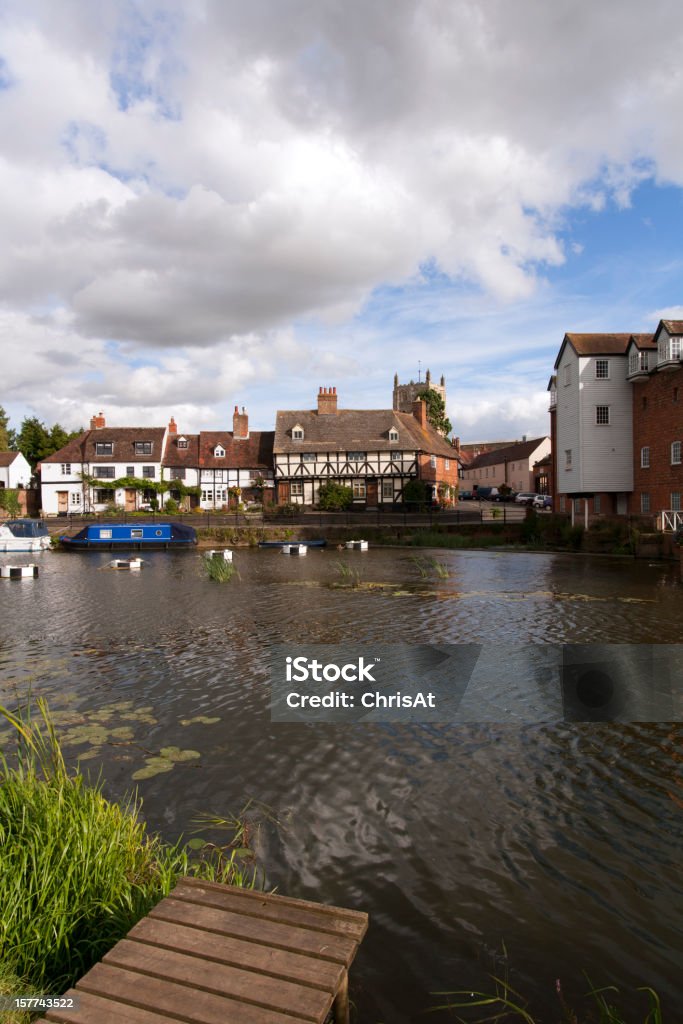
[[199, 720], [176, 754], [155, 766], [122, 732]]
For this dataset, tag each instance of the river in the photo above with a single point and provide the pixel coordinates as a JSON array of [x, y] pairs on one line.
[[561, 841]]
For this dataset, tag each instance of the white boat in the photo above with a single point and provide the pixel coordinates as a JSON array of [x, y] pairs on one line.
[[23, 535]]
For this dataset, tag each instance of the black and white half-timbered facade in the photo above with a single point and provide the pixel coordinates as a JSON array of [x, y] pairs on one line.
[[373, 451]]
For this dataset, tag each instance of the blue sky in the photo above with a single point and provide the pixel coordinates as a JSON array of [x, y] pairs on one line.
[[210, 205]]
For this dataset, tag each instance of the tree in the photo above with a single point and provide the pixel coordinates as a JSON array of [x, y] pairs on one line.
[[415, 493], [36, 441], [334, 497], [436, 411], [4, 431], [9, 502]]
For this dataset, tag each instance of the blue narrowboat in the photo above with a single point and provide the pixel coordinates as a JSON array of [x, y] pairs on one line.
[[131, 535]]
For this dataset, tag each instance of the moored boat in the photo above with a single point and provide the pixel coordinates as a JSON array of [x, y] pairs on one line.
[[24, 535], [97, 536]]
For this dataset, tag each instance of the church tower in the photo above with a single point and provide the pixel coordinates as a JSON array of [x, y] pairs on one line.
[[405, 394]]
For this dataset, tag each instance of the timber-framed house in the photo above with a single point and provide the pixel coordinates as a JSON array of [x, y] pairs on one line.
[[373, 451]]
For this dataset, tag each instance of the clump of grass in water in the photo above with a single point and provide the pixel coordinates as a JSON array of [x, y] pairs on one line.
[[219, 570], [350, 577], [76, 871], [430, 564]]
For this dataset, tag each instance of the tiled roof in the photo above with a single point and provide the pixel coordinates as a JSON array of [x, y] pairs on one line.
[[673, 326], [644, 340], [253, 452], [357, 430], [516, 452], [82, 449], [7, 458], [598, 344], [175, 456]]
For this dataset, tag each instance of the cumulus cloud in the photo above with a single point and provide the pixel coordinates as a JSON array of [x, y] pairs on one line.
[[197, 179]]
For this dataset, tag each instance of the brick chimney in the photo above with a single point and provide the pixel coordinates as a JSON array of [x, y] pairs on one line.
[[240, 424], [172, 427], [420, 412], [98, 422], [455, 443], [327, 401]]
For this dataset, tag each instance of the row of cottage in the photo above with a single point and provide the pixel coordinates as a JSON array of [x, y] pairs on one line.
[[375, 452], [616, 412]]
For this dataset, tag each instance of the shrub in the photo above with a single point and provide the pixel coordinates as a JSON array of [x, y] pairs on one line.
[[415, 493], [334, 497], [171, 506]]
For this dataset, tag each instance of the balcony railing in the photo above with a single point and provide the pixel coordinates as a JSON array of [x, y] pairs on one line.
[[672, 520], [669, 353]]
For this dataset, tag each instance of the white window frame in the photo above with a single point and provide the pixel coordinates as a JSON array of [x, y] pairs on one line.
[[645, 457], [432, 461], [388, 489], [296, 489], [359, 490], [675, 501], [356, 456], [596, 504], [149, 472], [675, 453], [297, 434], [66, 469], [104, 448], [309, 456], [605, 411], [446, 464], [644, 502], [396, 456], [568, 458], [567, 374], [219, 452], [143, 447], [75, 498], [602, 364], [183, 442]]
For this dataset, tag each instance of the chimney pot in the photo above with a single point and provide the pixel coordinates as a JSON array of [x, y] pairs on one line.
[[327, 401]]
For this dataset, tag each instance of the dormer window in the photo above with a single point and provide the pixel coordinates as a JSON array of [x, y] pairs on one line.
[[393, 434], [297, 433], [219, 452], [143, 447], [104, 448], [183, 442]]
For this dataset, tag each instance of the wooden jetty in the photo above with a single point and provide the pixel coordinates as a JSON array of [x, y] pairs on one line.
[[217, 954]]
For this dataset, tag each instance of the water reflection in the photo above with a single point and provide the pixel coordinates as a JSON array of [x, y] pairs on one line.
[[564, 842]]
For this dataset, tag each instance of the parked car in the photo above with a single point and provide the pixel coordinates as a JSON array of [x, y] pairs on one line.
[[485, 494], [465, 496], [525, 498], [543, 501]]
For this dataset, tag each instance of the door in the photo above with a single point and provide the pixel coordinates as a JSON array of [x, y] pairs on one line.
[[371, 494], [130, 499], [62, 502]]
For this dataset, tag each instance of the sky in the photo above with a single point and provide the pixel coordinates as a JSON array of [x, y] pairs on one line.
[[216, 203]]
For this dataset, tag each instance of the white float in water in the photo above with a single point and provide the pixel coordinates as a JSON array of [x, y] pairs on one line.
[[126, 563], [223, 553], [294, 549], [357, 545], [19, 572]]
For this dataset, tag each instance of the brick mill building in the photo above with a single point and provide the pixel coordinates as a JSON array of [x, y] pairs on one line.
[[616, 410]]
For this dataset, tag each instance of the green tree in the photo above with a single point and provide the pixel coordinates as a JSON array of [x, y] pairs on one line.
[[33, 440], [4, 431], [9, 502], [415, 493], [436, 411], [334, 497]]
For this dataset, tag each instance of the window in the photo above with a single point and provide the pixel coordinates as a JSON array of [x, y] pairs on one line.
[[104, 472], [393, 435], [136, 532], [143, 447], [66, 469], [130, 470], [568, 374], [644, 458], [105, 534], [219, 452], [446, 463], [104, 448], [207, 495], [182, 442], [297, 489], [596, 505], [359, 488], [676, 501], [602, 415], [602, 369], [148, 472], [396, 456], [676, 453], [577, 505], [562, 504], [218, 476], [644, 502], [432, 461], [297, 434], [75, 497], [568, 458], [356, 456], [387, 489], [102, 497], [177, 472], [309, 457]]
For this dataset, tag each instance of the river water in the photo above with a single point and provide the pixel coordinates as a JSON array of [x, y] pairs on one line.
[[560, 841]]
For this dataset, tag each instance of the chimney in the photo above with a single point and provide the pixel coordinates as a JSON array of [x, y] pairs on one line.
[[97, 422], [456, 443], [172, 427], [327, 401], [240, 425], [420, 412]]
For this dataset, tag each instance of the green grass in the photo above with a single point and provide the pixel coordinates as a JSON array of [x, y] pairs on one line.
[[429, 564], [348, 576], [219, 570], [77, 871]]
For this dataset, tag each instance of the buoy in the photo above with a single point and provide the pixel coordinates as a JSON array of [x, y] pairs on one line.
[[294, 549], [357, 545], [126, 563], [223, 553], [18, 572]]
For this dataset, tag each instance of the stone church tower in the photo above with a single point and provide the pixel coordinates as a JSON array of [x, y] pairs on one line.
[[405, 394]]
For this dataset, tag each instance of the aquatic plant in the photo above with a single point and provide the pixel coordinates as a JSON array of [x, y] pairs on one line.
[[76, 870], [348, 576], [425, 565], [219, 570]]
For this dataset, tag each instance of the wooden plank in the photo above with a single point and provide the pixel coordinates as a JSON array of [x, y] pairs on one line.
[[178, 1002], [276, 908], [248, 986], [91, 1008], [337, 948], [355, 920], [277, 963]]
